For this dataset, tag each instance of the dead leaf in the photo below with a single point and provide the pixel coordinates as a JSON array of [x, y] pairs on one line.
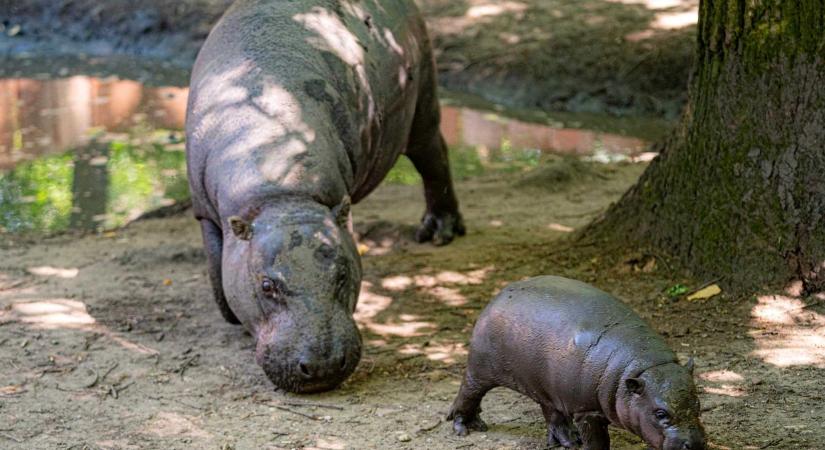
[[13, 389], [705, 293]]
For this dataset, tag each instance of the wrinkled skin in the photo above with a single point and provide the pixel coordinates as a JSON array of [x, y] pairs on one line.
[[588, 360], [296, 109]]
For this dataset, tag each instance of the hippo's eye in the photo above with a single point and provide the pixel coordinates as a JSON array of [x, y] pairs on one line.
[[271, 288], [661, 415]]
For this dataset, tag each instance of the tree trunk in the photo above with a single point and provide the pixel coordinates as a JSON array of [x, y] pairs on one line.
[[739, 190]]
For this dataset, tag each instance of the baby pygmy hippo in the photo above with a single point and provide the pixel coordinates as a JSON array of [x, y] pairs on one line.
[[587, 359]]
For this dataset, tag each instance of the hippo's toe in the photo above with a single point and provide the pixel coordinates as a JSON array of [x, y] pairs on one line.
[[462, 425], [440, 229], [564, 436]]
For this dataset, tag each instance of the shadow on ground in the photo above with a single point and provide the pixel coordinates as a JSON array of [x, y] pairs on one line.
[[616, 56]]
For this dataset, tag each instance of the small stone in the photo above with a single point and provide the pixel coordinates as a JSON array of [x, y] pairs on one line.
[[404, 437]]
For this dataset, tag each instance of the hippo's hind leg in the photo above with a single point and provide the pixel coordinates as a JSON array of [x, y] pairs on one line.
[[428, 153], [560, 429], [593, 430], [467, 406], [213, 243]]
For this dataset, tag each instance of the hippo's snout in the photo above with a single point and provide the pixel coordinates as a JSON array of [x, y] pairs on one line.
[[692, 439], [305, 362]]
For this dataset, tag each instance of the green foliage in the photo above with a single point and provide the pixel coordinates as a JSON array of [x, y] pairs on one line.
[[37, 196], [467, 162], [676, 290]]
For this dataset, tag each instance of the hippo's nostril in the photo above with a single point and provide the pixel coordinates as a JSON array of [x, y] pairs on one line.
[[344, 361], [304, 369]]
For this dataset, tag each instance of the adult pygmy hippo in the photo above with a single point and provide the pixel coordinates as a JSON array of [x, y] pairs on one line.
[[296, 109], [587, 359]]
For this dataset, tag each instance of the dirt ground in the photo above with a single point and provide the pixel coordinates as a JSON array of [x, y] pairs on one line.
[[113, 341], [621, 57]]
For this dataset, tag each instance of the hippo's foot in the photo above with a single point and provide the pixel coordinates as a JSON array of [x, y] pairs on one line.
[[462, 425], [563, 436], [440, 229]]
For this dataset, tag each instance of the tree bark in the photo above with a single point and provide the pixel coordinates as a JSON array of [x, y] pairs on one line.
[[739, 190]]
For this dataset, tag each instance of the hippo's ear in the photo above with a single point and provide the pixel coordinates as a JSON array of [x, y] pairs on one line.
[[341, 212], [241, 228], [690, 365], [635, 385]]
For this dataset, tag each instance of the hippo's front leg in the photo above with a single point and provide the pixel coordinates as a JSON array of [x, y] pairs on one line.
[[213, 244], [560, 430], [442, 221], [593, 431]]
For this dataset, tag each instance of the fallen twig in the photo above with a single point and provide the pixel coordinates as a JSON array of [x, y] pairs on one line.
[[109, 370], [771, 443], [115, 391], [187, 404], [429, 428], [10, 437], [187, 364], [12, 285], [297, 413], [319, 405]]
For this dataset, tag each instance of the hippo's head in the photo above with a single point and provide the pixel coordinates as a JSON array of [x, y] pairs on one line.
[[662, 407], [291, 274]]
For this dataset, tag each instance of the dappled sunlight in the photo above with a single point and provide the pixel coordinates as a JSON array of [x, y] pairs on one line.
[[53, 313], [671, 21], [448, 296], [328, 443], [723, 382], [786, 333], [495, 9], [396, 283], [560, 228], [726, 390], [401, 329], [721, 376], [62, 313], [435, 351], [658, 4], [479, 12], [437, 284], [49, 271], [171, 424], [450, 277], [332, 35], [370, 303]]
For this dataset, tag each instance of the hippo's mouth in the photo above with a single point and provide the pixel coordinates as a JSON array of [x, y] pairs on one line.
[[296, 379]]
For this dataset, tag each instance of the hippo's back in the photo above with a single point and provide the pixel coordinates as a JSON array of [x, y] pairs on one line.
[[312, 97], [562, 340]]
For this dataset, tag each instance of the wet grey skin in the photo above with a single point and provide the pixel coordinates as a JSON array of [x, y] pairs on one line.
[[296, 110], [587, 359]]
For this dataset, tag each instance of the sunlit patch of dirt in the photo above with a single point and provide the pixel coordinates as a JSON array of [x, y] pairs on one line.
[[724, 382], [446, 352], [629, 57], [53, 313], [49, 271], [166, 424], [788, 333]]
